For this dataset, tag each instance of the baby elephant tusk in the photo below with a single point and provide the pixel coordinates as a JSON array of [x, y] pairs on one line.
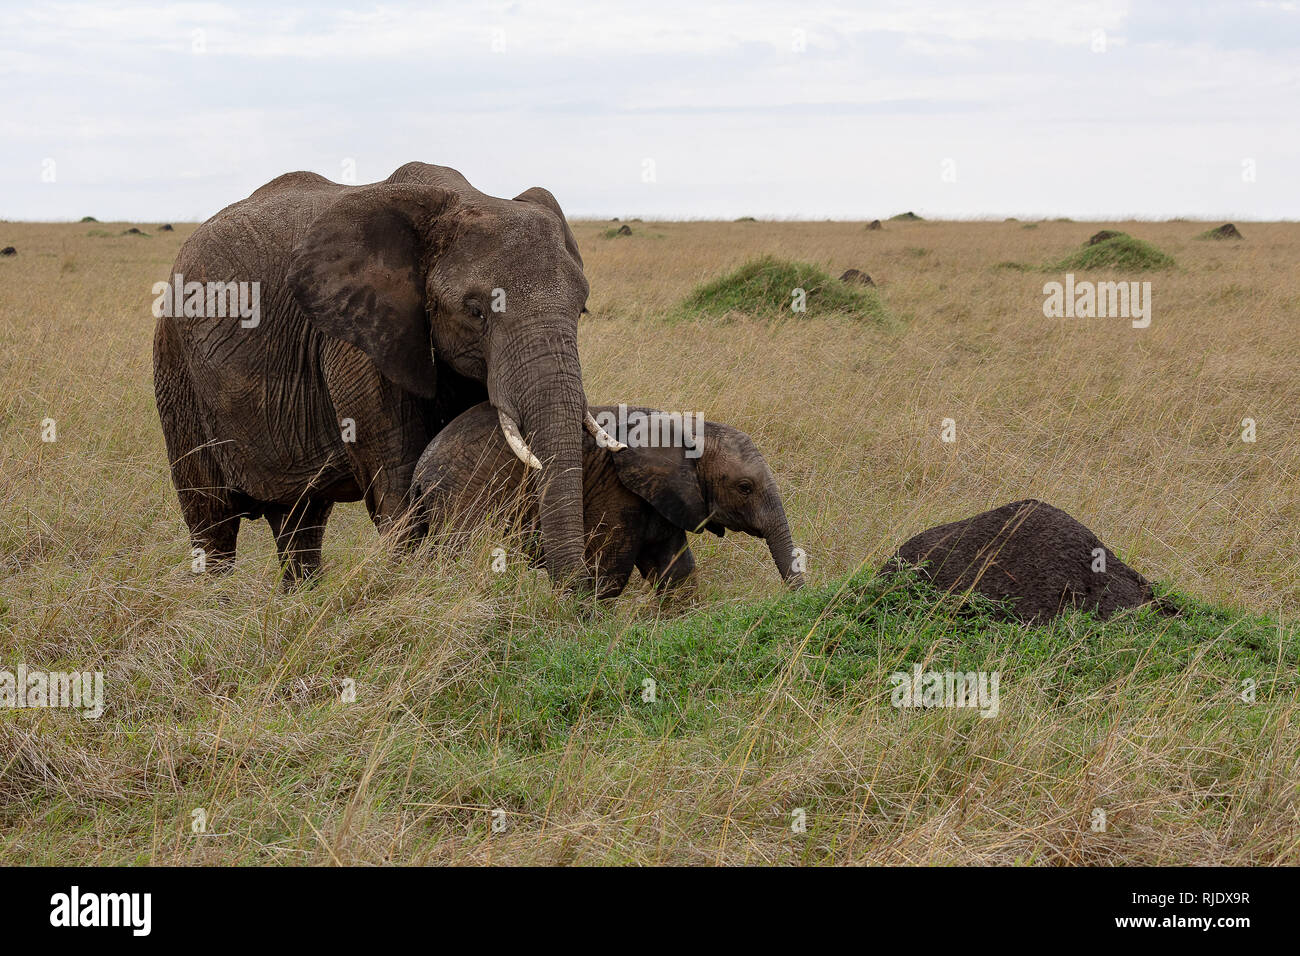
[[603, 438], [516, 441]]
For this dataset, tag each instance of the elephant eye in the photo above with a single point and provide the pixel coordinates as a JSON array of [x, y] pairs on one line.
[[472, 306], [746, 486]]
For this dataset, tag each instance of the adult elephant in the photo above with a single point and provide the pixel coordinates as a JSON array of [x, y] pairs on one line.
[[386, 311]]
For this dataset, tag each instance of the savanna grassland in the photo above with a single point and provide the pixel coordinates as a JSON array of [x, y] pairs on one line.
[[477, 691]]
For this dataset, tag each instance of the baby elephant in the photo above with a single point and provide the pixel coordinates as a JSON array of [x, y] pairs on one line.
[[638, 502]]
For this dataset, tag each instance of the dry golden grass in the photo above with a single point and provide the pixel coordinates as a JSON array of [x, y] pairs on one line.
[[1136, 432], [223, 693]]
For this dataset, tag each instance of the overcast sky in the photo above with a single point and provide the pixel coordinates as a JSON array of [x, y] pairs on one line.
[[951, 108]]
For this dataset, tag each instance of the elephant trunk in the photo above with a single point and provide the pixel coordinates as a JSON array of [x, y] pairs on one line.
[[548, 393], [780, 543]]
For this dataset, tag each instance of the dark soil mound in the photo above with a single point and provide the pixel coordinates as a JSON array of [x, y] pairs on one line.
[[875, 224], [166, 227], [1103, 236], [625, 230], [908, 216], [133, 231], [8, 251], [1226, 231], [854, 275], [1030, 554]]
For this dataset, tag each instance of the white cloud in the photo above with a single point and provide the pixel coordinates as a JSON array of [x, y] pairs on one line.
[[582, 30], [738, 119]]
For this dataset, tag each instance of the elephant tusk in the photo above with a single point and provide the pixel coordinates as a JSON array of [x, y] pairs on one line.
[[516, 441], [603, 438]]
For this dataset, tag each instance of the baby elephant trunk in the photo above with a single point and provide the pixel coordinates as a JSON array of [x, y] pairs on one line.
[[781, 545]]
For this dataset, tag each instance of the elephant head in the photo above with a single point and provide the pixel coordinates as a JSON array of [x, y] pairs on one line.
[[424, 265], [727, 486]]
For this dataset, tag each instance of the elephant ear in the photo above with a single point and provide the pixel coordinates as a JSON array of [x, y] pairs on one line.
[[359, 275], [543, 197], [667, 479]]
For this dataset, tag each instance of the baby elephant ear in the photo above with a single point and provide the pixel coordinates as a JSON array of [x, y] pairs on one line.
[[359, 275], [667, 479]]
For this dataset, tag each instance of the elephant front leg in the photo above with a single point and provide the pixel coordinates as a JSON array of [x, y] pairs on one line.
[[667, 562], [389, 502], [383, 432]]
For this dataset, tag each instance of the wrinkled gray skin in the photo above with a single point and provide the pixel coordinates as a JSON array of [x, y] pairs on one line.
[[1031, 555], [638, 503], [376, 307]]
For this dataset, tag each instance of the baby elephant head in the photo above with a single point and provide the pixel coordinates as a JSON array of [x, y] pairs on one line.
[[722, 483]]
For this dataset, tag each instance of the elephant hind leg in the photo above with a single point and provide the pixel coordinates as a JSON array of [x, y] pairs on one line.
[[211, 509], [215, 535], [299, 532]]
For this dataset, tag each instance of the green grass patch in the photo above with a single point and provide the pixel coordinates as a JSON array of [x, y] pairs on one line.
[[765, 288], [841, 641], [1119, 252]]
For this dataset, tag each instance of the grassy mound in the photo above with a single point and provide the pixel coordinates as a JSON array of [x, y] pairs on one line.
[[1219, 233], [1121, 251], [908, 216], [840, 642], [764, 288]]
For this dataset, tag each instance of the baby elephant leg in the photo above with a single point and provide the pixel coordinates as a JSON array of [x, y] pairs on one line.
[[668, 562]]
